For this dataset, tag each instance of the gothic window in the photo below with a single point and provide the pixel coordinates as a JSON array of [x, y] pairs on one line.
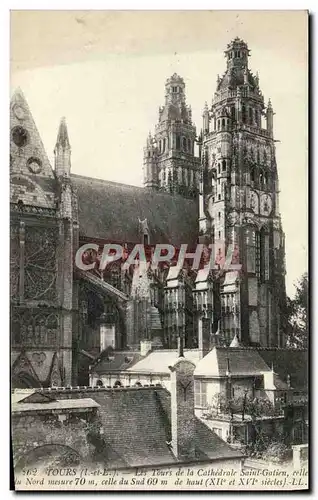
[[250, 241], [170, 182], [264, 255], [251, 115], [252, 174], [223, 165], [40, 263], [184, 144], [257, 254], [256, 116], [178, 142], [243, 114], [233, 113]]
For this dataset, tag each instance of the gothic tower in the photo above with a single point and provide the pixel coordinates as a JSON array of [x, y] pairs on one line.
[[239, 203], [170, 163], [43, 229]]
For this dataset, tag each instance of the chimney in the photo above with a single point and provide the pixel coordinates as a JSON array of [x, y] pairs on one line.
[[145, 347], [182, 408], [106, 332]]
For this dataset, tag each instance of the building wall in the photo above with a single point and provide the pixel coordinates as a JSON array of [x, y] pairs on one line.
[[34, 430]]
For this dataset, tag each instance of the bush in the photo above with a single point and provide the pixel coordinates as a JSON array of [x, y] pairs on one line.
[[277, 453]]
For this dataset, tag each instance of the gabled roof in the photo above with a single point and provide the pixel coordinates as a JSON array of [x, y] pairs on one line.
[[109, 210], [241, 362], [32, 179]]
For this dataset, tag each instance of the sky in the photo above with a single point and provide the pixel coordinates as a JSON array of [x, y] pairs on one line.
[[105, 72]]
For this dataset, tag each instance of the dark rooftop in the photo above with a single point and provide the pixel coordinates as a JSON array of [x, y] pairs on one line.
[[112, 211]]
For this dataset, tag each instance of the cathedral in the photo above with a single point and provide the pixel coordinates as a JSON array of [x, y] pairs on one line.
[[218, 186]]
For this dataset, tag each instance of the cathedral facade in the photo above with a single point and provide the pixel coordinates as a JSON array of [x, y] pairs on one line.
[[218, 187]]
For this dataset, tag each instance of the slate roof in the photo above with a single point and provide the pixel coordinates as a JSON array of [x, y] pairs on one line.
[[137, 427], [109, 210], [241, 361], [109, 361]]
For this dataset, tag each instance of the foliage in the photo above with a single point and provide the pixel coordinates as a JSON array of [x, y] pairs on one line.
[[277, 452], [297, 315], [242, 405]]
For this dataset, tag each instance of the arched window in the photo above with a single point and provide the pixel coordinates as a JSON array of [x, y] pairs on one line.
[[243, 114], [252, 174], [223, 124], [256, 116], [163, 145], [233, 113], [218, 124], [149, 154], [118, 383], [251, 115], [264, 254], [250, 242], [99, 383], [223, 165], [178, 142], [160, 146], [184, 144], [219, 168], [189, 145]]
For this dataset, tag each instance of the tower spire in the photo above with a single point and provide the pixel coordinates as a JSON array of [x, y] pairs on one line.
[[62, 135], [62, 151]]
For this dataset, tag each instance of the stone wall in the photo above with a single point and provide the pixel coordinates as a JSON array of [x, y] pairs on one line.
[[31, 431]]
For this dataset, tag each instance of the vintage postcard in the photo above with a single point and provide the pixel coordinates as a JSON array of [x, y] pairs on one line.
[[158, 250]]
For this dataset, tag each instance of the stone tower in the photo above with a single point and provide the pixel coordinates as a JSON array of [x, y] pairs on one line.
[[43, 237], [170, 163], [239, 203]]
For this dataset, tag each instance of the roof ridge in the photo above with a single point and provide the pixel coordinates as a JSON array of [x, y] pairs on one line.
[[97, 179]]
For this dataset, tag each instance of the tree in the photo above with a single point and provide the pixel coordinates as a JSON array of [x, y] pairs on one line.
[[297, 315]]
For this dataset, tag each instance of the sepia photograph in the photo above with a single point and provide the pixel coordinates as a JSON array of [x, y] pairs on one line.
[[159, 329]]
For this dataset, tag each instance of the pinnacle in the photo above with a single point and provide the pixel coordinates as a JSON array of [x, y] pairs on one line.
[[62, 136]]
